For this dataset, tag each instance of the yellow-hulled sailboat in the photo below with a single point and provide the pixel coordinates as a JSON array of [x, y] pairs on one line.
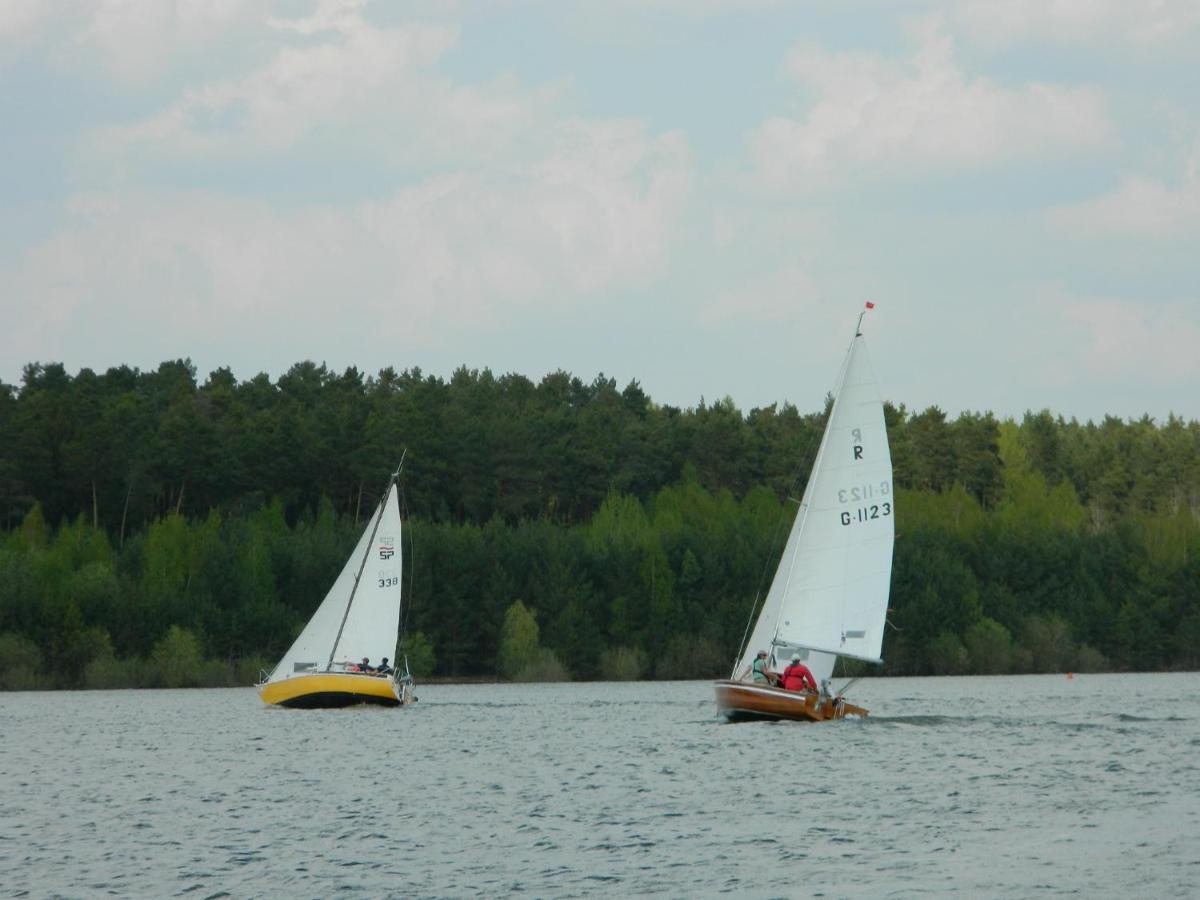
[[357, 622]]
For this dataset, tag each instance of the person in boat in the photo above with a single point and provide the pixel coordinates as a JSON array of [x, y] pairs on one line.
[[760, 672], [384, 668], [798, 676], [365, 666]]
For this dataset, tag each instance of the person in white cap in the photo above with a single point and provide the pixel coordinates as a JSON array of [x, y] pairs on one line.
[[798, 677]]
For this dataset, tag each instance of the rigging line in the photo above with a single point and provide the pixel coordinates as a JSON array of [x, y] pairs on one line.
[[849, 684], [745, 636], [406, 521], [802, 467], [406, 605], [366, 555], [758, 594], [803, 512]]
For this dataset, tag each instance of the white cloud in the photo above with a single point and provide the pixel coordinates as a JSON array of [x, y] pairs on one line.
[[686, 10], [132, 41], [1141, 207], [787, 294], [23, 19], [329, 15], [1041, 345], [1125, 339], [498, 205], [455, 253], [872, 113], [137, 39], [354, 74], [1097, 346], [340, 86], [1154, 25]]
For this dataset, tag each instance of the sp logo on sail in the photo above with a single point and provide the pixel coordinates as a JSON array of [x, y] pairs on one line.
[[387, 547]]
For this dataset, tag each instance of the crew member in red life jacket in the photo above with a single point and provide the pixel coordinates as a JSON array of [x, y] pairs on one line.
[[798, 677]]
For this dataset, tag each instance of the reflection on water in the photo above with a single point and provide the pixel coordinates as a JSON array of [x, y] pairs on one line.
[[986, 786]]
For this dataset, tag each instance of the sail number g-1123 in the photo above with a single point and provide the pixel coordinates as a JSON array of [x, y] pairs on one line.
[[860, 493], [867, 513], [864, 492]]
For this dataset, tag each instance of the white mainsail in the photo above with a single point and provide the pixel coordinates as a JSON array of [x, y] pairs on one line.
[[829, 595], [352, 623]]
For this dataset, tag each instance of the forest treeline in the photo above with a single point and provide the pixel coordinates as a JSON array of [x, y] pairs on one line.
[[162, 531]]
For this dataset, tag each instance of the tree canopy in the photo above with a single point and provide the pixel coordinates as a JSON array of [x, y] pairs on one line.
[[159, 530]]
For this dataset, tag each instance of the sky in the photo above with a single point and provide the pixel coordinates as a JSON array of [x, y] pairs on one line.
[[699, 195]]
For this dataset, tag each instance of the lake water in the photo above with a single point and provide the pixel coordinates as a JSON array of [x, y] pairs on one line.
[[994, 787]]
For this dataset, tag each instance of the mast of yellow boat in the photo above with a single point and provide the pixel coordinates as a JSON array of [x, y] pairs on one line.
[[392, 481]]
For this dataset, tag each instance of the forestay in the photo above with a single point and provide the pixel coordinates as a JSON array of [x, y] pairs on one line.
[[830, 592], [373, 618]]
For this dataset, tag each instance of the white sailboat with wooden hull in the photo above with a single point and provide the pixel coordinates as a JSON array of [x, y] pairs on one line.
[[829, 596], [358, 620], [747, 701]]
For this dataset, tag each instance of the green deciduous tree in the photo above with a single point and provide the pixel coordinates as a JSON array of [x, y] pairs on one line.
[[623, 664], [519, 643], [417, 649], [21, 666], [989, 647], [946, 655], [178, 659]]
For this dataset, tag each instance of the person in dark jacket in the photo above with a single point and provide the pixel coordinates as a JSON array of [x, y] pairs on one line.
[[384, 668]]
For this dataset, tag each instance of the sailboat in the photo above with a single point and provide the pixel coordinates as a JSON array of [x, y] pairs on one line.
[[357, 623], [829, 596]]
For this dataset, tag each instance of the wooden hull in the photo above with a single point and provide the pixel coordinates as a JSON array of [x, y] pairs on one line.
[[329, 690], [742, 701]]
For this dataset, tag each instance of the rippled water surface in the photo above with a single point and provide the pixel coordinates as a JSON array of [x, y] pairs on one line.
[[998, 787]]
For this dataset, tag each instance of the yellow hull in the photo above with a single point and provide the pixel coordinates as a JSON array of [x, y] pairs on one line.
[[332, 689]]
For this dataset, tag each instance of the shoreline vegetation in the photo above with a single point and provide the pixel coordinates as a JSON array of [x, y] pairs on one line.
[[158, 531]]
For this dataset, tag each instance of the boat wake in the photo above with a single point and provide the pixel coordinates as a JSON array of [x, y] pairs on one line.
[[923, 721]]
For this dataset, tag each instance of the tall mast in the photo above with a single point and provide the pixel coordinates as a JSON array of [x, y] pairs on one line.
[[858, 327], [392, 480], [805, 504]]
